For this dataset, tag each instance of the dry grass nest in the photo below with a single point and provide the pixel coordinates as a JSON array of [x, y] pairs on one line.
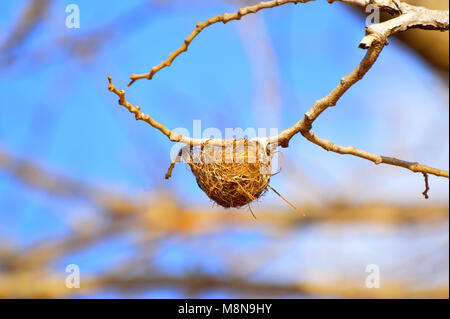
[[232, 175]]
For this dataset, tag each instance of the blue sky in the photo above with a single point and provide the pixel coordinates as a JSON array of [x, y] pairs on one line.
[[56, 108]]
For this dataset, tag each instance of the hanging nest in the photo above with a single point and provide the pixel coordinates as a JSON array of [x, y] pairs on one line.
[[232, 175]]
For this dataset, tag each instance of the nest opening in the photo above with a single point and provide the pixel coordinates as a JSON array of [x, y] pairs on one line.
[[231, 175]]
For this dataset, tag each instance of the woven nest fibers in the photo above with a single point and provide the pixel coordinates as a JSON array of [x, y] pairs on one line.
[[234, 175]]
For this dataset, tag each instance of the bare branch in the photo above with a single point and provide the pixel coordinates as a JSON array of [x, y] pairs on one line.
[[377, 159], [376, 38], [409, 17], [427, 187], [173, 136], [224, 18], [331, 99]]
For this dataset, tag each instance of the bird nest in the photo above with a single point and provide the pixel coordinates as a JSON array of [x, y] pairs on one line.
[[232, 175]]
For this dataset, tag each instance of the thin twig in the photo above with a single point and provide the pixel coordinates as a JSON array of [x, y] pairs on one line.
[[172, 164], [173, 136], [377, 159], [427, 187], [224, 18]]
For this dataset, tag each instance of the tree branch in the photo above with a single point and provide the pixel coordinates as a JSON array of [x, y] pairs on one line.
[[173, 136], [377, 159], [224, 18], [331, 99], [409, 17], [375, 39]]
